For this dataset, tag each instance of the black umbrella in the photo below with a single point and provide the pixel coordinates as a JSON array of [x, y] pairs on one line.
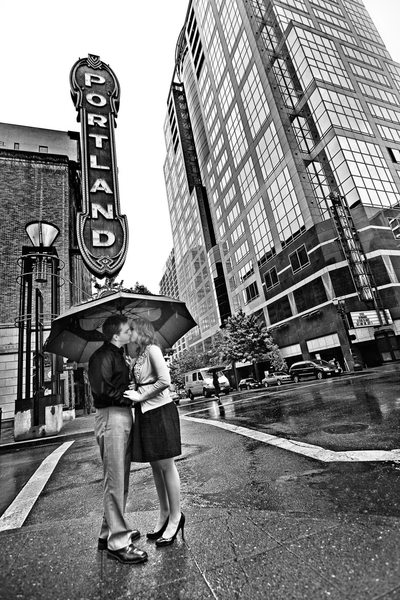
[[76, 334]]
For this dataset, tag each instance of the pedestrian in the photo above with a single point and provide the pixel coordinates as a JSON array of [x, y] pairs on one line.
[[109, 378], [157, 438], [217, 388]]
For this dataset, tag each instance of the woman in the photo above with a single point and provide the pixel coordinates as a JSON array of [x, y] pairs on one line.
[[156, 434]]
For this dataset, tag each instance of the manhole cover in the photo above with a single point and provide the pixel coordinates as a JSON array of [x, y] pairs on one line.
[[346, 428]]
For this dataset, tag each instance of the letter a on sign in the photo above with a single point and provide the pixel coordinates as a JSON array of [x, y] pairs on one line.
[[102, 231]]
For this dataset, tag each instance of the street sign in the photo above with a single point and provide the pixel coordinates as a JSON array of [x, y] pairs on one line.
[[370, 318]]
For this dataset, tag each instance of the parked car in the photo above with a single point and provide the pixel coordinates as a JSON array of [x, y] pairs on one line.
[[249, 383], [317, 369], [276, 378], [199, 382]]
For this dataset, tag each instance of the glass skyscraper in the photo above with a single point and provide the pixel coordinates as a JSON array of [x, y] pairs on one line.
[[282, 175]]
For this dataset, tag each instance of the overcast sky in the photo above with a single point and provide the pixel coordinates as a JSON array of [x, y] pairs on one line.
[[42, 39]]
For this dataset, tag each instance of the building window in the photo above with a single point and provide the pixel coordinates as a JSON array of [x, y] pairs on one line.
[[226, 94], [394, 154], [16, 145], [299, 259], [279, 310], [43, 149], [271, 278], [236, 135], [248, 183], [362, 171], [217, 61], [237, 233], [331, 108], [310, 295], [241, 57], [378, 93], [234, 213], [261, 233], [269, 151], [387, 114], [285, 207], [254, 101], [250, 292], [363, 23], [285, 16], [316, 57], [230, 21], [369, 74], [246, 271], [241, 252], [395, 227]]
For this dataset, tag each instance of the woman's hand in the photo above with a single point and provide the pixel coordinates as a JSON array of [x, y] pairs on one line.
[[133, 395]]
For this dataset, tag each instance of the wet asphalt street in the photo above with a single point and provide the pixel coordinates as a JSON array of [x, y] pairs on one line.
[[351, 412], [262, 522]]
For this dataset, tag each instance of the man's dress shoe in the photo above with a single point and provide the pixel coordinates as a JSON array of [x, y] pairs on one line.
[[130, 554], [102, 544]]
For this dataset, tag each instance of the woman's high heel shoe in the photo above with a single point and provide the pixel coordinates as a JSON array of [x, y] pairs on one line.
[[168, 541], [154, 535]]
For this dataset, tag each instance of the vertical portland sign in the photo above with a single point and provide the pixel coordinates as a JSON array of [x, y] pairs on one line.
[[101, 230]]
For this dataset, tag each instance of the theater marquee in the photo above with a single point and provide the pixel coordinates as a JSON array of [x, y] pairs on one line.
[[101, 230]]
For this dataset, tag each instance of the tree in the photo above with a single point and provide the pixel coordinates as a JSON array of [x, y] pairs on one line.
[[138, 288], [110, 286], [189, 360], [244, 338]]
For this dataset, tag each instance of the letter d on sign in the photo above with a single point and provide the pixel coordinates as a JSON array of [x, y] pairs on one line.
[[101, 238]]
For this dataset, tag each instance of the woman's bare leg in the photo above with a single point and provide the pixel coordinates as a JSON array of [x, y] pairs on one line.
[[171, 482], [159, 482]]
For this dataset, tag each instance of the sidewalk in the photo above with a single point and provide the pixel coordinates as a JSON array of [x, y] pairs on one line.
[[242, 554], [247, 536], [81, 426], [232, 549]]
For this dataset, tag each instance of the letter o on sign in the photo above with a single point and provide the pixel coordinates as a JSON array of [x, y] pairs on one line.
[[96, 99]]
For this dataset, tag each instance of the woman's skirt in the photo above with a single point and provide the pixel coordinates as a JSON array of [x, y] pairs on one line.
[[156, 433]]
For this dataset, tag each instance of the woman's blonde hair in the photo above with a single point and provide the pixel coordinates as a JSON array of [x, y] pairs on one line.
[[146, 333]]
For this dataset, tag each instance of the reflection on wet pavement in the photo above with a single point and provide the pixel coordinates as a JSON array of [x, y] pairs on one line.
[[360, 412]]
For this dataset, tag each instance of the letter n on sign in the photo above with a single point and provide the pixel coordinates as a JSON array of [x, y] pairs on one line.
[[101, 230]]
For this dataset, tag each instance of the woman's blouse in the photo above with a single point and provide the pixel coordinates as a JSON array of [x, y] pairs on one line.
[[153, 379]]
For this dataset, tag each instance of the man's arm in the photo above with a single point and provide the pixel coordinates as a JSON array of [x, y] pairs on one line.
[[101, 370]]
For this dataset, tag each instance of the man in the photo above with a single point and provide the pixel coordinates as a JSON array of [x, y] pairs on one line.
[[109, 378]]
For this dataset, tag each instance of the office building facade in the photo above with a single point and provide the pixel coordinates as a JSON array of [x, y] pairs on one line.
[[284, 114], [169, 281]]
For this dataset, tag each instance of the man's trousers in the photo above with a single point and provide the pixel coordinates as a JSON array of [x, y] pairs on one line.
[[113, 430]]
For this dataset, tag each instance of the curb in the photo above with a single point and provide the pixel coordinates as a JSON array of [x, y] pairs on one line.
[[51, 439]]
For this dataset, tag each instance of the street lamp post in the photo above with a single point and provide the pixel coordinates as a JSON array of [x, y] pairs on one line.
[[39, 264]]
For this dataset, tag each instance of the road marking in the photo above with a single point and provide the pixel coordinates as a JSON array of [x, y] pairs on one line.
[[309, 450], [16, 514]]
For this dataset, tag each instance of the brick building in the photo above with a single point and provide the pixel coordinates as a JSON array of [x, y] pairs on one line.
[[39, 180]]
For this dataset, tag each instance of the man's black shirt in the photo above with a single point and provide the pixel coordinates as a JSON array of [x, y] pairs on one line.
[[108, 376]]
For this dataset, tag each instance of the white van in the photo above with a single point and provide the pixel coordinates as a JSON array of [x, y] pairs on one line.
[[200, 383]]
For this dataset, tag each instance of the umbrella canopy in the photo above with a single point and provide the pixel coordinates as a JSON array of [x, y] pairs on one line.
[[76, 334]]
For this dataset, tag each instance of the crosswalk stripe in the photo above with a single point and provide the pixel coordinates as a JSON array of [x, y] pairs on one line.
[[309, 450], [16, 514]]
